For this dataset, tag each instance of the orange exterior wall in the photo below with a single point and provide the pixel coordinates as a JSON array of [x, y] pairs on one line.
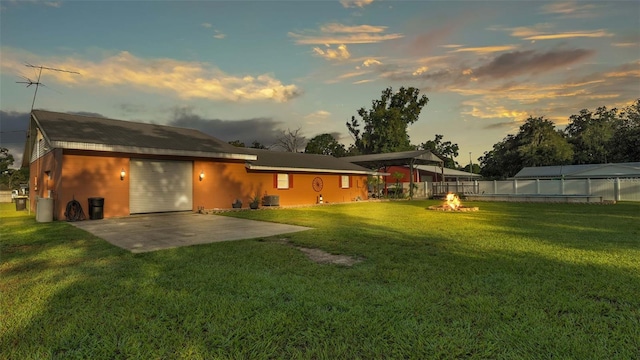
[[44, 178], [85, 176], [80, 175], [224, 182]]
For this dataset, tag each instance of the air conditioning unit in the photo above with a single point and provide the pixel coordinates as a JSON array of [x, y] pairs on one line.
[[271, 200]]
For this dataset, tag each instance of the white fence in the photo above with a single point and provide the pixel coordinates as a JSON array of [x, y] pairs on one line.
[[619, 189]]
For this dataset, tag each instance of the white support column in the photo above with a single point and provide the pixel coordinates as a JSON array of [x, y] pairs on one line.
[[538, 186], [515, 186]]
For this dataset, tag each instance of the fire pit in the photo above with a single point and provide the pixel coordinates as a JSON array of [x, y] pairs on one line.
[[452, 203]]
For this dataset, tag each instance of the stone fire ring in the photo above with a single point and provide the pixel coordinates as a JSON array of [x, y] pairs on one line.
[[449, 209]]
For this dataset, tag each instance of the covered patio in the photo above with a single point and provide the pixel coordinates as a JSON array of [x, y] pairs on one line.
[[402, 158]]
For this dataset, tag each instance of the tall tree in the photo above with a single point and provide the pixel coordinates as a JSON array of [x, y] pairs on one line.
[[538, 143], [290, 140], [502, 161], [541, 144], [325, 144], [625, 142], [445, 150], [384, 126], [590, 134]]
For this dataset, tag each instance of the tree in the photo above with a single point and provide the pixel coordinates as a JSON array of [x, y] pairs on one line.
[[540, 144], [625, 142], [290, 141], [257, 145], [445, 150], [502, 161], [6, 159], [591, 134], [537, 143], [325, 144], [385, 124], [237, 143]]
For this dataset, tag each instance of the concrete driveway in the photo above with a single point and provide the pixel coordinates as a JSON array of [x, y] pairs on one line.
[[143, 233]]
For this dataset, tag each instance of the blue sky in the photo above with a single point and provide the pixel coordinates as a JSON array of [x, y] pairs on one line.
[[249, 69]]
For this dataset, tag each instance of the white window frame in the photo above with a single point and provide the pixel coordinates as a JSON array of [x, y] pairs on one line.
[[344, 182], [283, 181]]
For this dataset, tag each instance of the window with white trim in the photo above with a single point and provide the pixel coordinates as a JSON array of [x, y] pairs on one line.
[[344, 182], [283, 181]]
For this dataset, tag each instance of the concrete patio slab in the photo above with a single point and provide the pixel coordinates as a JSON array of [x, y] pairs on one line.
[[144, 233]]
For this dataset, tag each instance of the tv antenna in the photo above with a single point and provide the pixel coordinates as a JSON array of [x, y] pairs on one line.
[[37, 83]]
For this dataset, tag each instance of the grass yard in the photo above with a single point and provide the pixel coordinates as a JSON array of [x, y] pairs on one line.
[[510, 281]]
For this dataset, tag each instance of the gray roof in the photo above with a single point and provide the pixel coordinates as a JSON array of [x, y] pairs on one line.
[[289, 161], [447, 171], [631, 169], [395, 158], [68, 131]]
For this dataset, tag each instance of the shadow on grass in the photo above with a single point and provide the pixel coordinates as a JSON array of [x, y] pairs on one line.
[[432, 285]]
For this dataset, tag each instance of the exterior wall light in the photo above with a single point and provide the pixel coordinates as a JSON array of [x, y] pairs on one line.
[[201, 175], [122, 174]]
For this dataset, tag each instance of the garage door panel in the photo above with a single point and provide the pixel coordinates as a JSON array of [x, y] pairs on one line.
[[159, 186]]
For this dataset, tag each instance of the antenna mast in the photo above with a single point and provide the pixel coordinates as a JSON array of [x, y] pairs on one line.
[[37, 83]]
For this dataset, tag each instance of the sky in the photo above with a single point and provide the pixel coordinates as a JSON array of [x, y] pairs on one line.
[[247, 70]]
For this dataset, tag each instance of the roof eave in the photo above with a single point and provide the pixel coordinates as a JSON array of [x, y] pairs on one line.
[[149, 151], [309, 170]]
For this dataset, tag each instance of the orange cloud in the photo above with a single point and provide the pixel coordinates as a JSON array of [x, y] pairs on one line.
[[341, 53], [486, 49], [183, 79], [569, 35]]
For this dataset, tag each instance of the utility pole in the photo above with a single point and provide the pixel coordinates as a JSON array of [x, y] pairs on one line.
[[470, 163]]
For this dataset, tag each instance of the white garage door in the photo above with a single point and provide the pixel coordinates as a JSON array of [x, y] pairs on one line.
[[158, 185]]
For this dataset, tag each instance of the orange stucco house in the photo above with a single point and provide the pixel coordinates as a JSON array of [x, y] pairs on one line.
[[147, 168]]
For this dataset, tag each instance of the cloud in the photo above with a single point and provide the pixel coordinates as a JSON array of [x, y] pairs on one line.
[[355, 3], [14, 126], [340, 28], [262, 129], [184, 79], [219, 35], [206, 25], [337, 34], [485, 49], [420, 70], [529, 62], [320, 114], [341, 53], [570, 9], [371, 62], [570, 35]]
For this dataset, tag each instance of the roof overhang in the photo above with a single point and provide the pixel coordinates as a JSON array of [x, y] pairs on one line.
[[148, 151], [417, 157], [312, 170]]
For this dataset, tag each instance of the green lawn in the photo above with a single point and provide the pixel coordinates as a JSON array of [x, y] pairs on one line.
[[510, 281]]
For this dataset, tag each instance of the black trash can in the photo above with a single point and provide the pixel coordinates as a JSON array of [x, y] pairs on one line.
[[96, 208], [21, 203]]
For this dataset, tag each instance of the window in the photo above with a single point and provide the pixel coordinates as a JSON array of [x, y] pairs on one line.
[[283, 181], [345, 182]]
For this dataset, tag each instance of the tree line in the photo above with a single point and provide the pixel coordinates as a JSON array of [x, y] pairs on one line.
[[591, 137]]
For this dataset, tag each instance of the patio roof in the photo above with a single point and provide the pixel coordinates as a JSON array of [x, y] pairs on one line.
[[269, 160], [415, 157]]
